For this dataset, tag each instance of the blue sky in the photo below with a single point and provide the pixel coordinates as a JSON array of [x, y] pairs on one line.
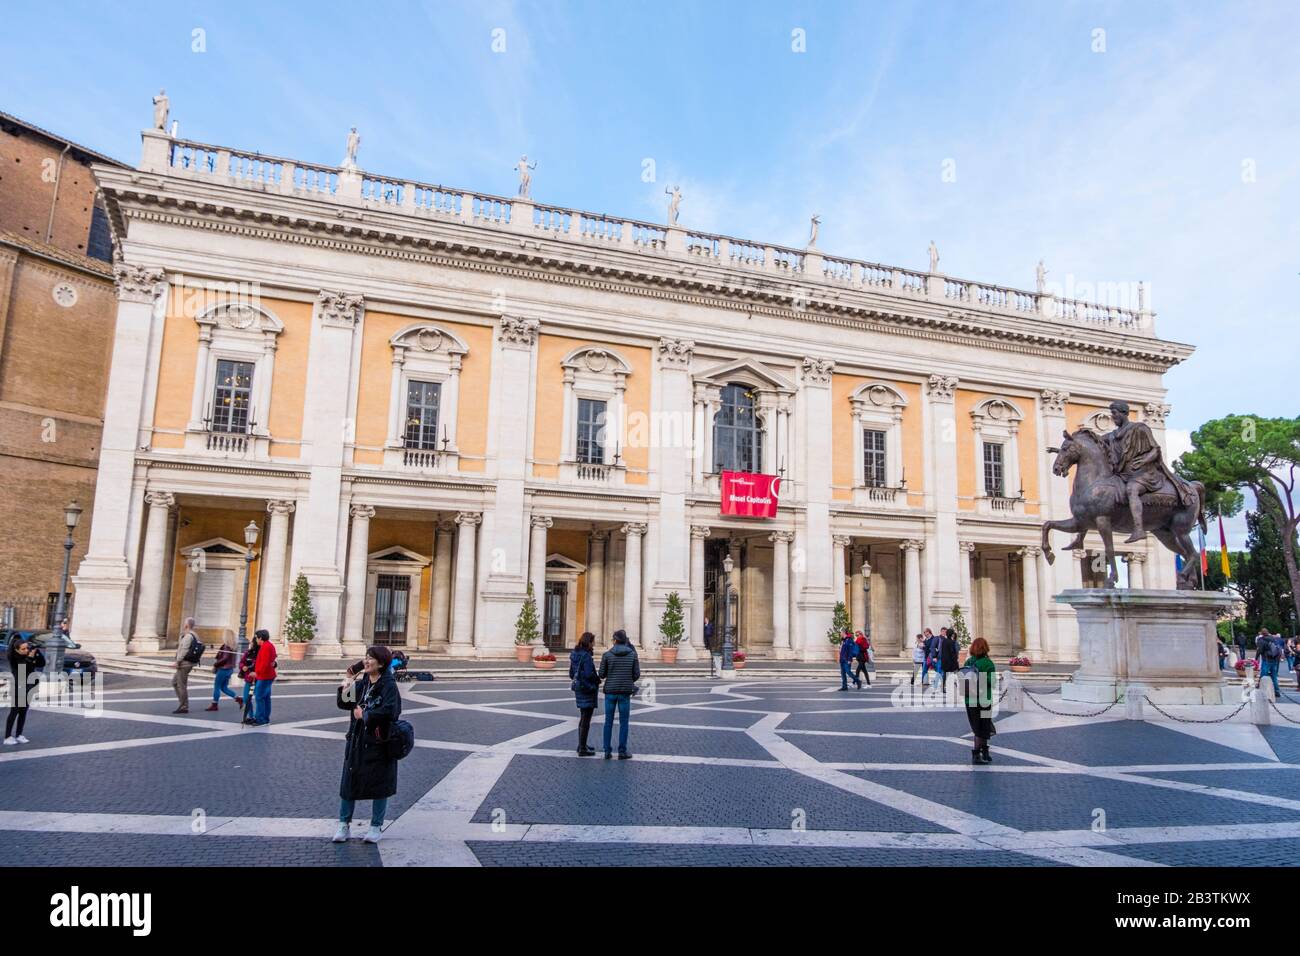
[[1172, 157]]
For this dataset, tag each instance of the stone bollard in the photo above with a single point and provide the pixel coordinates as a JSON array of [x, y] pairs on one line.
[[1135, 696], [1259, 708], [1015, 699]]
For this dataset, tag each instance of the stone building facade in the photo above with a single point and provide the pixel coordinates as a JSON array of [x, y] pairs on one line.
[[57, 311], [431, 400]]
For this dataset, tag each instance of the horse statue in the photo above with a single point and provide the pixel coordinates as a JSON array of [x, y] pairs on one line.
[[1106, 498]]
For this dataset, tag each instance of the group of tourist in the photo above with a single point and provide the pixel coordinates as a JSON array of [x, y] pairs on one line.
[[935, 657], [855, 649], [256, 668]]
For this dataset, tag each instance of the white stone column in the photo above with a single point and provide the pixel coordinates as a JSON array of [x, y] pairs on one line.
[[781, 648], [816, 599], [632, 581], [942, 468], [462, 619], [354, 610], [1061, 636], [270, 594], [596, 587], [1160, 571], [152, 573], [1032, 620], [699, 534], [857, 592], [200, 394], [537, 561], [101, 613], [698, 437], [966, 551], [669, 547], [840, 542], [1137, 562], [440, 604], [912, 615]]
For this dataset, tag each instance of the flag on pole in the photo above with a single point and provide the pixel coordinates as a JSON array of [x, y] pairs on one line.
[[1223, 550], [1205, 560]]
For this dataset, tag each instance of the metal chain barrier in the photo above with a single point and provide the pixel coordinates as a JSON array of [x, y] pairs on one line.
[[1289, 720], [1195, 720], [1063, 713]]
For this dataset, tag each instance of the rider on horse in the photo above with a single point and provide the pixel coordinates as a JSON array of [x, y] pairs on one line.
[[1136, 458]]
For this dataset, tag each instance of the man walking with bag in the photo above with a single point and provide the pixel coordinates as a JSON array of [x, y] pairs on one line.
[[189, 651]]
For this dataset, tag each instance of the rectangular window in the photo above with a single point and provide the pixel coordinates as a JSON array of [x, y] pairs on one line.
[[230, 400], [422, 414], [873, 455], [993, 473], [591, 431]]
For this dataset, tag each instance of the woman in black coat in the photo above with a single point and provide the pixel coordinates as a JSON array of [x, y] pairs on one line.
[[369, 773], [586, 683], [25, 662]]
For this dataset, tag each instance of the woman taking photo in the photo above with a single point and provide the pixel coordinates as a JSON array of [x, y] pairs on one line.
[[586, 683], [369, 773], [981, 688], [25, 661]]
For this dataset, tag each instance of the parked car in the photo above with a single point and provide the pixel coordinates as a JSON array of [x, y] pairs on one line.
[[75, 661]]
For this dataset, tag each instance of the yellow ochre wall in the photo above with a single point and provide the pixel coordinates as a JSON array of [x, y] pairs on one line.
[[180, 348], [415, 536], [205, 524], [573, 545], [844, 466], [376, 379], [548, 428]]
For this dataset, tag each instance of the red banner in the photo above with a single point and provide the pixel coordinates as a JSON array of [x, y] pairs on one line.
[[749, 496]]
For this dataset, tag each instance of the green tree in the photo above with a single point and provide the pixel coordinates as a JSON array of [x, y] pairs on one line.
[[840, 622], [672, 624], [526, 627], [300, 623], [1240, 453], [958, 627], [1263, 581]]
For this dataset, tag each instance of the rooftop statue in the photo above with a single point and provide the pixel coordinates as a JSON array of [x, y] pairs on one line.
[[161, 107], [674, 204], [1124, 484], [525, 176], [354, 140]]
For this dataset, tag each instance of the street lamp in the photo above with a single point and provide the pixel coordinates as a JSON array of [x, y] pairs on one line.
[[250, 539], [58, 642], [866, 603], [727, 646]]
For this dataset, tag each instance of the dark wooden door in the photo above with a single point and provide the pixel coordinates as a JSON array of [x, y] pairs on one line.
[[392, 594], [554, 631]]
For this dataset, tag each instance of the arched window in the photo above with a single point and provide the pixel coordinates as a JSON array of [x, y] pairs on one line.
[[737, 431]]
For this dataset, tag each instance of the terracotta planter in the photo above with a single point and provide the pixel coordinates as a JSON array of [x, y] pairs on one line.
[[1020, 668], [738, 665], [544, 665], [523, 653], [668, 655], [298, 650]]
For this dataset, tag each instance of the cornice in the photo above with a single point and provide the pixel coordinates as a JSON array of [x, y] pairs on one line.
[[367, 232]]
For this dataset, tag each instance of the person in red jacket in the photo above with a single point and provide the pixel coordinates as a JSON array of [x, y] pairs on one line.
[[863, 657], [264, 672]]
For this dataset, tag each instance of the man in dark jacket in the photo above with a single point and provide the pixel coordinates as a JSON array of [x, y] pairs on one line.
[[619, 671], [369, 773], [848, 652], [949, 653]]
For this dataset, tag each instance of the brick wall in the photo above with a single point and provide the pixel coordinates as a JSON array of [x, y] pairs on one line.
[[29, 166]]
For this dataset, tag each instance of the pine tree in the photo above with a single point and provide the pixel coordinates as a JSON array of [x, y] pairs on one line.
[[300, 623], [840, 622], [671, 625], [526, 629], [958, 627]]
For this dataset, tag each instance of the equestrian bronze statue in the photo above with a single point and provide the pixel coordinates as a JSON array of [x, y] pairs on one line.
[[1123, 484]]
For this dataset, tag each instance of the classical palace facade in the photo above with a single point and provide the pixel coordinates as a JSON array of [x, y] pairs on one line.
[[429, 401]]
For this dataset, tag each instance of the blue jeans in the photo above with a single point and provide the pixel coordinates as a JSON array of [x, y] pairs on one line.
[[222, 685], [377, 809], [1269, 669], [623, 702], [249, 686], [846, 672], [262, 700]]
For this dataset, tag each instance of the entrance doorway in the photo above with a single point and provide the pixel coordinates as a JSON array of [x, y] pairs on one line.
[[715, 550], [553, 614], [392, 598]]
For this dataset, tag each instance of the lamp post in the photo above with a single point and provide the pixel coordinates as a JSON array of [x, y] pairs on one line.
[[727, 646], [250, 539], [866, 603], [58, 642]]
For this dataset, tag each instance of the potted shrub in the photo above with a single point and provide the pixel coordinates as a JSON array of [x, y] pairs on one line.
[[959, 630], [1246, 669], [544, 662], [671, 627], [738, 660], [841, 628], [300, 622], [526, 629], [1020, 665]]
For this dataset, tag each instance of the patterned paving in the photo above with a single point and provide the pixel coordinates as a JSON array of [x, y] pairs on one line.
[[747, 773]]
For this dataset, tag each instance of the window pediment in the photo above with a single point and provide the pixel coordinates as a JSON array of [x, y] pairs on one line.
[[240, 317], [596, 360], [746, 371], [997, 411], [425, 338]]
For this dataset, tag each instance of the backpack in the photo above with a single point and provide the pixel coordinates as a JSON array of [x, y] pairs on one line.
[[1273, 651], [401, 739], [195, 653]]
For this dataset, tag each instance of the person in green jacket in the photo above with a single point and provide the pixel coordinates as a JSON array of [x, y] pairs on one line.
[[980, 699]]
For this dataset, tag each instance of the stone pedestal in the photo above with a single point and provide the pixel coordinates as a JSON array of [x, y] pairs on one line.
[[1163, 640]]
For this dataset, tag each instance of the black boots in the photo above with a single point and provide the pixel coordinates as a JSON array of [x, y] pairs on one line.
[[979, 754]]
